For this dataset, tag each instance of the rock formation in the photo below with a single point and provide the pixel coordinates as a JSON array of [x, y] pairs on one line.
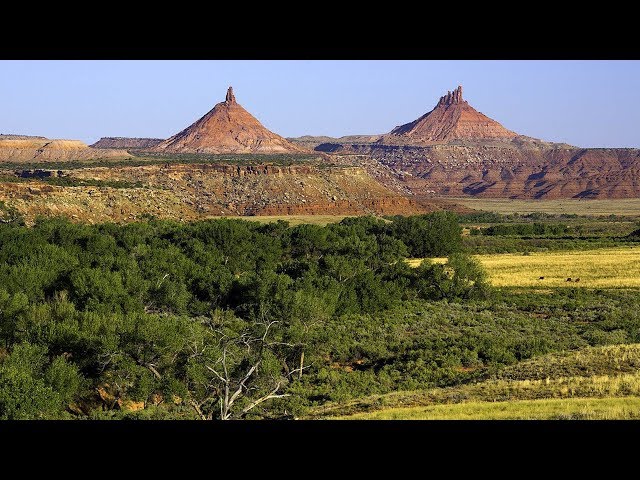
[[197, 191], [455, 150], [452, 118], [227, 128]]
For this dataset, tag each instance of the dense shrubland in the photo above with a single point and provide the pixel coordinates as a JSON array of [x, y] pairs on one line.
[[234, 319]]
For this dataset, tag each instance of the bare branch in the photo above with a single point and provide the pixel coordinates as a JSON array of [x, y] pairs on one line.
[[299, 369], [162, 280], [269, 396], [154, 371], [197, 409], [224, 380], [239, 390]]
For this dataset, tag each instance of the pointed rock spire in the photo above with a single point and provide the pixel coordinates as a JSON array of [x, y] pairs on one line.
[[451, 97], [230, 98]]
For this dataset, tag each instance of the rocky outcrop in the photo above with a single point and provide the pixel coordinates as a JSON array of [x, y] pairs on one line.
[[451, 119], [126, 143], [35, 149], [227, 128], [508, 169], [266, 189]]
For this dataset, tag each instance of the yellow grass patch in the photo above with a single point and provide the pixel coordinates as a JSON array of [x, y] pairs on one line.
[[610, 267], [602, 268]]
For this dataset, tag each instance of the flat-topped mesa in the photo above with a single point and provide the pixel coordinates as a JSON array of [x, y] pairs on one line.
[[451, 97], [230, 98]]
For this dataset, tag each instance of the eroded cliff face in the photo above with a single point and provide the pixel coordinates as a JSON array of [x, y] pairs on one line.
[[510, 170], [194, 191]]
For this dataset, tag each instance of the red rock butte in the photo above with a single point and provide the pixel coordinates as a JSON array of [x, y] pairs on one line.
[[451, 119], [227, 128]]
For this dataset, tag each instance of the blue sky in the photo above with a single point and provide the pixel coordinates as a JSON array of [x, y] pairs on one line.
[[584, 103]]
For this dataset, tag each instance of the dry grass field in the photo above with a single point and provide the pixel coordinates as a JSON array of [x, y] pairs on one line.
[[601, 268]]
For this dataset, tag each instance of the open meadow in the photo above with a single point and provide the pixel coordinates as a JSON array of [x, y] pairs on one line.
[[602, 268]]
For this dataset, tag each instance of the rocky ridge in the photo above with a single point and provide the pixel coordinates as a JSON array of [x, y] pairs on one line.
[[196, 191], [126, 143]]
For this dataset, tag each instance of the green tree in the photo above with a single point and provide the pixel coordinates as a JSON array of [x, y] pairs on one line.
[[432, 235]]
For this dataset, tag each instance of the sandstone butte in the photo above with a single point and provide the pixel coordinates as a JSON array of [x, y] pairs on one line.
[[227, 128], [452, 118]]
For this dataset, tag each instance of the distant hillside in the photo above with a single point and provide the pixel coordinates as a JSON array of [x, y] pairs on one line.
[[311, 142], [126, 143], [7, 136], [196, 191], [21, 148]]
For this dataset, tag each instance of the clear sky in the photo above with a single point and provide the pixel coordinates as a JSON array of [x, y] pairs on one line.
[[584, 103]]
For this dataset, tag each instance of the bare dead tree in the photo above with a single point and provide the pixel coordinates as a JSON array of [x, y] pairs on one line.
[[236, 371]]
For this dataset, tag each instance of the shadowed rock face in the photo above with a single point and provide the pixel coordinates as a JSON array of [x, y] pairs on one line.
[[227, 128]]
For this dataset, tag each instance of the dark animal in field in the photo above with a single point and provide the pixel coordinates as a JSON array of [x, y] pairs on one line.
[[569, 279], [541, 278], [577, 280]]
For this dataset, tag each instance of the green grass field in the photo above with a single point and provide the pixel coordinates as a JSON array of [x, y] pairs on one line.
[[624, 408], [625, 206], [602, 268]]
